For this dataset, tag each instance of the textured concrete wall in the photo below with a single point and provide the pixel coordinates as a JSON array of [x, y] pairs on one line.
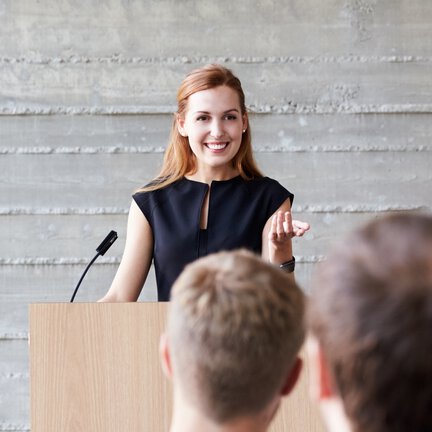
[[340, 93]]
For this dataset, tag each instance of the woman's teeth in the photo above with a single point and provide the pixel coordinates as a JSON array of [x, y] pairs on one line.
[[216, 146]]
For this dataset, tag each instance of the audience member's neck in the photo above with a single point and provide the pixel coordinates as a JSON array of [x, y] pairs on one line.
[[187, 418]]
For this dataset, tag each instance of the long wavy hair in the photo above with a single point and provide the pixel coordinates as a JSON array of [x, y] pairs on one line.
[[179, 159]]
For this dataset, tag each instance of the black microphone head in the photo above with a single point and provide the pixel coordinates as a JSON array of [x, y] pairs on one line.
[[106, 243]]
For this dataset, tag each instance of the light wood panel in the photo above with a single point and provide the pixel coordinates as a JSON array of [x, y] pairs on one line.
[[95, 367]]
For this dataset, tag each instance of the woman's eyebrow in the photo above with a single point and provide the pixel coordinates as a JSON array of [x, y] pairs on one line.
[[225, 112]]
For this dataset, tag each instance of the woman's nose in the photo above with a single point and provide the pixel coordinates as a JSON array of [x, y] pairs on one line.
[[216, 129]]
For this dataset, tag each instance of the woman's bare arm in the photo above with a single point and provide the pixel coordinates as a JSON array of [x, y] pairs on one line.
[[136, 260]]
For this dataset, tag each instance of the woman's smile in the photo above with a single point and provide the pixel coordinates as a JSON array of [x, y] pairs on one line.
[[216, 146]]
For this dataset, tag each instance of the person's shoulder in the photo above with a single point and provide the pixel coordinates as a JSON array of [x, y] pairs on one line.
[[154, 196], [263, 182], [270, 187], [270, 181], [152, 188]]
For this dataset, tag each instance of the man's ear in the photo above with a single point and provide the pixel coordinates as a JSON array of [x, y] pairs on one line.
[[320, 386], [164, 355], [292, 377], [180, 125]]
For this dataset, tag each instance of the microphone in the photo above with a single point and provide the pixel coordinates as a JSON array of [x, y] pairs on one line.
[[101, 249]]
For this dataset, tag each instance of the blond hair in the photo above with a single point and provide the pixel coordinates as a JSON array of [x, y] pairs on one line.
[[234, 328], [179, 159]]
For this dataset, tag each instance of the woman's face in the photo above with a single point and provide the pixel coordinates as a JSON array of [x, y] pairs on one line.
[[214, 126]]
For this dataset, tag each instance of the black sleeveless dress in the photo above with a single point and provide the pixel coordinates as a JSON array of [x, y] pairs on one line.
[[238, 211]]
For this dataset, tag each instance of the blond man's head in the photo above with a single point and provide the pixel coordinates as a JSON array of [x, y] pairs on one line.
[[235, 326]]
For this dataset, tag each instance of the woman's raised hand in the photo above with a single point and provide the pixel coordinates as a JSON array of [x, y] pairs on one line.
[[284, 228]]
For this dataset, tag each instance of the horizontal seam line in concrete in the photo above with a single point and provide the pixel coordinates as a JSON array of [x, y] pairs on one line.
[[13, 336], [71, 211], [44, 261], [14, 428], [289, 108], [119, 149], [11, 211], [72, 261], [14, 375], [184, 59], [9, 427]]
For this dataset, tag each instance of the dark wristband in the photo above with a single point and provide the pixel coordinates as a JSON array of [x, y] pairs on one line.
[[288, 266]]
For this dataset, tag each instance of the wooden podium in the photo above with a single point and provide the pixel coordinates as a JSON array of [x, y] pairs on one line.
[[95, 367]]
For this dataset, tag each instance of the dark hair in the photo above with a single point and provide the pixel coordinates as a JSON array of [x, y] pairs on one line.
[[371, 311]]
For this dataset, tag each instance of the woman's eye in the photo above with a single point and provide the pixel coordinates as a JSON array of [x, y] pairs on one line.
[[202, 118], [230, 117]]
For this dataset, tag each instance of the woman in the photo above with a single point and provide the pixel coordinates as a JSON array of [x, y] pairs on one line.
[[209, 195]]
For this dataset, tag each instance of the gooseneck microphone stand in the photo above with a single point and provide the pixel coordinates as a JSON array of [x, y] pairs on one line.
[[101, 249]]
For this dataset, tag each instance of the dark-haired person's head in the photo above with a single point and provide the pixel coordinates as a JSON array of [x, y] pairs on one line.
[[235, 326], [370, 319]]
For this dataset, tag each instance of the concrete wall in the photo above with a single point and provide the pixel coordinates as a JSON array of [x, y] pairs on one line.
[[340, 93]]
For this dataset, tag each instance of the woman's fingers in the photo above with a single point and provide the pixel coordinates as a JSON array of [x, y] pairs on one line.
[[273, 229], [281, 227], [281, 231], [288, 224], [300, 227], [284, 227], [277, 232]]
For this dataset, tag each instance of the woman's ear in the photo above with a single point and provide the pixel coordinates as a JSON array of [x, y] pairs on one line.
[[181, 126], [245, 122]]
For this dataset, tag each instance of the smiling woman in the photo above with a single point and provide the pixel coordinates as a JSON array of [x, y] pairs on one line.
[[209, 196], [214, 126]]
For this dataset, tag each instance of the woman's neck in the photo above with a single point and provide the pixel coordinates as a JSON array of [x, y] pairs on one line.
[[209, 175]]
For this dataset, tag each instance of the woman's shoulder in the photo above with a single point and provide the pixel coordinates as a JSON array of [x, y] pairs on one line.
[[270, 187], [151, 195], [157, 186], [264, 182]]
